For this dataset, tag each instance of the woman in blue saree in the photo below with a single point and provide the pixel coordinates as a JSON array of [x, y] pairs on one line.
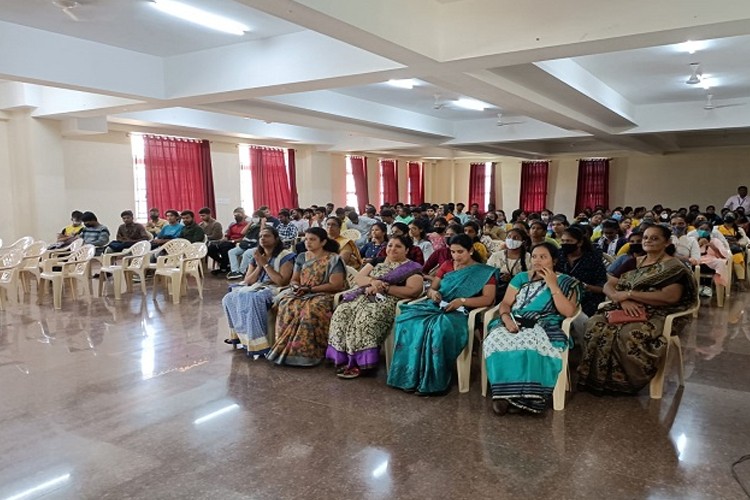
[[523, 349], [247, 306], [431, 334]]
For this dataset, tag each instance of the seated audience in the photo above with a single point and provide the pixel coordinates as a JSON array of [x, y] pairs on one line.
[[623, 354], [429, 335], [247, 306], [491, 229], [738, 242], [67, 234], [305, 310], [377, 243], [686, 248], [239, 257], [418, 235], [155, 223], [360, 223], [559, 224], [538, 234], [218, 250], [436, 235], [442, 254], [523, 347], [611, 240], [348, 250], [190, 230], [301, 219], [170, 231], [211, 227], [364, 318], [471, 229], [580, 260], [714, 256], [287, 230], [513, 259], [414, 253], [627, 260], [94, 233], [128, 234]]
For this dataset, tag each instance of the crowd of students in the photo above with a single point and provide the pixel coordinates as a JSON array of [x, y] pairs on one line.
[[619, 271]]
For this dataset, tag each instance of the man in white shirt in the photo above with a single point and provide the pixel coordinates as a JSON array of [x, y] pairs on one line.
[[739, 200], [301, 224], [686, 248]]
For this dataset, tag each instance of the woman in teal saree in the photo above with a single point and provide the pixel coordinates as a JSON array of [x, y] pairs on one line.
[[431, 334]]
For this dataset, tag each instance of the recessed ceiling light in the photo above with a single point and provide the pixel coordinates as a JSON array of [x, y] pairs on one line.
[[692, 46], [198, 16], [472, 104], [408, 83], [705, 82]]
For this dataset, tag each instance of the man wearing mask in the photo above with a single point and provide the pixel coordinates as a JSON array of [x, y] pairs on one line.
[[155, 223], [94, 233], [218, 251], [712, 217]]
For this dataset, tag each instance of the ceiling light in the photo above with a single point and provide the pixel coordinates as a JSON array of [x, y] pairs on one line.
[[198, 16], [402, 84], [705, 83], [690, 46], [472, 104]]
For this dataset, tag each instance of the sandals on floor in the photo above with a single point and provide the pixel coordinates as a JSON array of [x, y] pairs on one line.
[[349, 373]]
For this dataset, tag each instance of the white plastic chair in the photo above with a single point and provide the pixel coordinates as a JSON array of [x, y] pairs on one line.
[[10, 262], [77, 267], [463, 363], [563, 379], [22, 243], [138, 250], [62, 252], [176, 269], [656, 388], [30, 265], [172, 248]]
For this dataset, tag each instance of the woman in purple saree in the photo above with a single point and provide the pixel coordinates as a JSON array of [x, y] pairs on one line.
[[363, 320]]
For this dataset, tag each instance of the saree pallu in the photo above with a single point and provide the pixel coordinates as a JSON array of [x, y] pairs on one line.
[[523, 367], [428, 340], [355, 260], [625, 357], [302, 322], [247, 308], [361, 323]]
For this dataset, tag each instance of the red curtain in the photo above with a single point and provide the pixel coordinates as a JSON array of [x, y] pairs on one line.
[[178, 173], [593, 184], [534, 185], [359, 172], [476, 185], [270, 179], [389, 181], [293, 178], [416, 182]]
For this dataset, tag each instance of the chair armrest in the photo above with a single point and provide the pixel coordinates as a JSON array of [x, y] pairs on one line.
[[489, 316], [568, 322], [108, 257], [168, 261]]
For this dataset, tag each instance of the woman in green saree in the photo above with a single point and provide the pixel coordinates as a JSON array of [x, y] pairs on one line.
[[431, 334], [625, 356]]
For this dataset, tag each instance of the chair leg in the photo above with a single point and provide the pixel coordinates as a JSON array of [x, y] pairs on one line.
[[464, 368], [483, 370], [142, 275], [176, 284], [721, 292], [656, 388], [558, 394], [681, 363], [57, 286], [117, 281], [388, 348]]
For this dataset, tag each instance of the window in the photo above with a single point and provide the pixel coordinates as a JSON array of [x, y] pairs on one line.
[[487, 186], [137, 148], [246, 180], [351, 189]]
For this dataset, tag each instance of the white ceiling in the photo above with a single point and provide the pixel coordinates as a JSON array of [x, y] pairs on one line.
[[313, 71]]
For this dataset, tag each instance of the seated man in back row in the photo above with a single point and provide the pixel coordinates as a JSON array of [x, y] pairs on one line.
[[69, 232], [210, 226], [128, 234], [94, 233], [172, 230], [190, 230]]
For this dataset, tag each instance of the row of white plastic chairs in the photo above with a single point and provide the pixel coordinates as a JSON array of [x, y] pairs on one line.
[[26, 258]]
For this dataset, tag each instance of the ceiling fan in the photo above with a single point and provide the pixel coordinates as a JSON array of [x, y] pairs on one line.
[[709, 104], [502, 123], [439, 103], [69, 8]]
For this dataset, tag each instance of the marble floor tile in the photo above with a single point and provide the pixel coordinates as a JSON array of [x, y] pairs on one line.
[[141, 399]]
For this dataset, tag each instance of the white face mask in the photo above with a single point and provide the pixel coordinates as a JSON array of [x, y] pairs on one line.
[[513, 244]]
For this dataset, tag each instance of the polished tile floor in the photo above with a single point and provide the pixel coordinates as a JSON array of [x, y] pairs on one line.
[[142, 399]]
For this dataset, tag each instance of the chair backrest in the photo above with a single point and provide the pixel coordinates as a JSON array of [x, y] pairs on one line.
[[11, 258], [200, 249], [32, 255], [193, 257], [351, 273], [175, 246], [351, 234], [495, 246], [607, 259], [82, 257], [137, 258], [23, 243]]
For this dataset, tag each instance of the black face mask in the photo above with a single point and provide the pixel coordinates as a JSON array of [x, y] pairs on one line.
[[636, 248], [568, 248], [439, 229]]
